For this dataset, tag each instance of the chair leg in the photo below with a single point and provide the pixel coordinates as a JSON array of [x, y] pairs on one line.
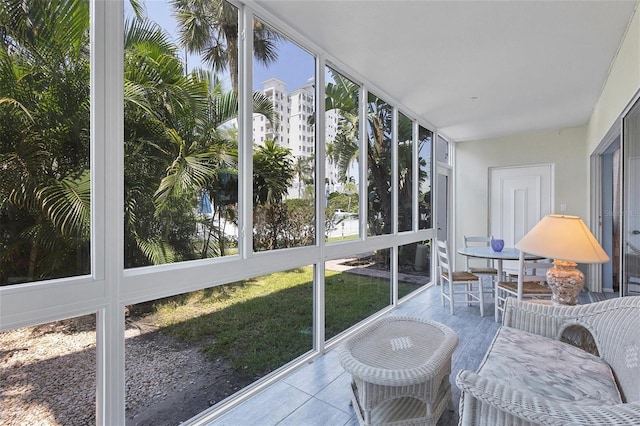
[[497, 303], [480, 290], [451, 297], [497, 306]]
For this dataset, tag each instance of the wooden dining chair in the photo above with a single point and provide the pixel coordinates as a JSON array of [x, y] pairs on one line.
[[531, 283], [454, 283], [484, 268]]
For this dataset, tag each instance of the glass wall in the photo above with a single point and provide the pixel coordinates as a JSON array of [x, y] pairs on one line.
[[631, 203], [196, 349], [45, 181], [342, 172], [379, 140], [355, 288], [414, 267], [184, 226], [405, 173], [284, 142], [425, 177], [180, 141], [442, 150], [48, 373]]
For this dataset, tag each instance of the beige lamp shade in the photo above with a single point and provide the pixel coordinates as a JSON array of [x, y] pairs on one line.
[[563, 237]]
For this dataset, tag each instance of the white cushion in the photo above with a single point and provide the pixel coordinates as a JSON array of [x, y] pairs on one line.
[[550, 368]]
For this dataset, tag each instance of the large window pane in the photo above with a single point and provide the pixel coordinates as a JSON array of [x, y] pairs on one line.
[[188, 352], [355, 288], [180, 143], [44, 141], [284, 142], [405, 173], [414, 267], [341, 163], [48, 374], [442, 150], [379, 138], [425, 174]]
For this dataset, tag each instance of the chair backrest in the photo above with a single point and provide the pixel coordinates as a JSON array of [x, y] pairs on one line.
[[443, 257], [477, 242], [531, 271]]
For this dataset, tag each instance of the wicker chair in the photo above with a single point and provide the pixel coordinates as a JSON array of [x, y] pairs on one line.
[[613, 325]]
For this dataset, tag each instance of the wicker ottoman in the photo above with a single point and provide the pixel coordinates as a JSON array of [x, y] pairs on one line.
[[400, 368]]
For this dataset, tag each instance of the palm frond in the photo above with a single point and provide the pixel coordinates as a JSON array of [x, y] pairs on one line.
[[145, 31], [188, 172], [17, 105], [262, 105], [156, 250], [136, 94], [67, 203], [138, 8]]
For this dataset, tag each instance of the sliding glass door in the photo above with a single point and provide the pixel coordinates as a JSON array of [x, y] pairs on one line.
[[631, 203]]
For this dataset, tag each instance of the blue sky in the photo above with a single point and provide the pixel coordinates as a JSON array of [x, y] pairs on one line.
[[294, 66]]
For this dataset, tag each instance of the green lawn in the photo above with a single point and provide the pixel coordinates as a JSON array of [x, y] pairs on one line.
[[263, 323]]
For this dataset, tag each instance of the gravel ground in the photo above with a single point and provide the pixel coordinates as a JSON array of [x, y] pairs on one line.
[[48, 375]]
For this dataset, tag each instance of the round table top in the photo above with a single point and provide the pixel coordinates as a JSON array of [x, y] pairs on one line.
[[398, 351], [507, 253]]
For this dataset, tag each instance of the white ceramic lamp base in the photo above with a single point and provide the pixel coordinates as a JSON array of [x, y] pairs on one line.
[[565, 282]]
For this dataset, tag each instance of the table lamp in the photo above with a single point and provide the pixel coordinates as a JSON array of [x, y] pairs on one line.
[[568, 241]]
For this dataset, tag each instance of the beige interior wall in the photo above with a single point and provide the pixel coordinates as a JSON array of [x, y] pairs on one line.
[[565, 149]]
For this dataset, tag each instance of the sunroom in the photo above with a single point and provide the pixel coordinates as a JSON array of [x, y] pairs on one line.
[[199, 198]]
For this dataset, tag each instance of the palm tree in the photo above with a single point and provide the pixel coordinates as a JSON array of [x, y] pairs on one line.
[[273, 171], [210, 28], [207, 157], [342, 95], [303, 169], [44, 139], [161, 105], [379, 164]]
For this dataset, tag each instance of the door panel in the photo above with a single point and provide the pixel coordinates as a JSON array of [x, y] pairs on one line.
[[519, 198]]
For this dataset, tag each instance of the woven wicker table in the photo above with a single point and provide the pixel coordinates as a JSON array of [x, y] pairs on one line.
[[400, 368]]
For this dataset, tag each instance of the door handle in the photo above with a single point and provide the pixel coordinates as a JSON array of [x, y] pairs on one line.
[[635, 232]]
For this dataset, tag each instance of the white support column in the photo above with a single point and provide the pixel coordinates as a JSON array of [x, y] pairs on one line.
[[415, 176], [362, 161], [320, 151], [393, 252], [107, 133], [245, 131]]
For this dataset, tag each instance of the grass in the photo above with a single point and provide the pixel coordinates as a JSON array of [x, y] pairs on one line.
[[345, 238], [261, 324]]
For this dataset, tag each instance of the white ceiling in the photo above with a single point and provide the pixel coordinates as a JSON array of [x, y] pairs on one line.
[[530, 65]]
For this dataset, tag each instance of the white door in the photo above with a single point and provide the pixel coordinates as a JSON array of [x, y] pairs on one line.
[[518, 198]]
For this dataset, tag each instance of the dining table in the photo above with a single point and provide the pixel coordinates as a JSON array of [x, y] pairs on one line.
[[486, 252]]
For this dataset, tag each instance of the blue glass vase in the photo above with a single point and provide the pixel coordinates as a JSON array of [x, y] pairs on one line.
[[497, 245]]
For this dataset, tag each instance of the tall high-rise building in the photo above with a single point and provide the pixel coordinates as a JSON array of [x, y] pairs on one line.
[[294, 127]]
